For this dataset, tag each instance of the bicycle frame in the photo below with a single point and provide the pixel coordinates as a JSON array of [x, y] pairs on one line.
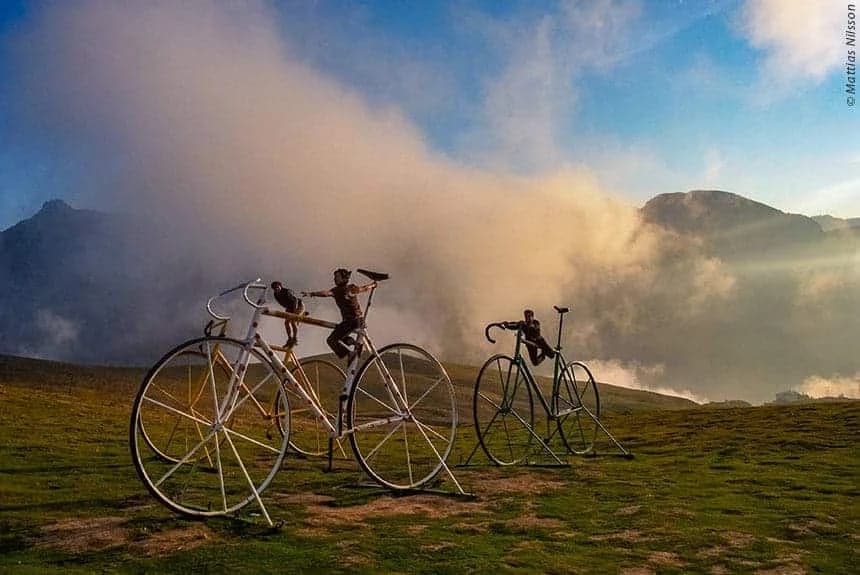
[[254, 338]]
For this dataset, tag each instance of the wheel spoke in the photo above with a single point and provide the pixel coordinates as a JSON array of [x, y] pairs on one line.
[[176, 411], [426, 393], [431, 430], [406, 445], [403, 379], [485, 433], [490, 401], [168, 394], [387, 381], [212, 379], [379, 401], [250, 393], [184, 460], [220, 473], [248, 478], [421, 428], [251, 440], [508, 435], [378, 445]]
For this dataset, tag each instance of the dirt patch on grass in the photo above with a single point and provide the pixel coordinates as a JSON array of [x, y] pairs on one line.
[[665, 558], [713, 551], [522, 483], [787, 569], [173, 540], [77, 535], [306, 499], [322, 513], [678, 512], [628, 510], [351, 555], [636, 571], [529, 521], [85, 535], [588, 473], [787, 564], [813, 527], [733, 540], [628, 536], [476, 527], [434, 547], [737, 539]]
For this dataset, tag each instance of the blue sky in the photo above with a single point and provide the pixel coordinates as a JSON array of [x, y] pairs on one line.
[[745, 96]]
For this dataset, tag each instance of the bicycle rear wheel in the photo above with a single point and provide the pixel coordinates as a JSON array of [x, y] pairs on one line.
[[503, 409], [577, 400], [402, 413], [203, 434]]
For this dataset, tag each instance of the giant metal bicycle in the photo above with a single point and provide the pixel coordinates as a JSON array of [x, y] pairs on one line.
[[503, 403], [213, 418]]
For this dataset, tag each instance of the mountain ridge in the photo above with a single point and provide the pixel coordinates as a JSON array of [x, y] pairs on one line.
[[86, 286]]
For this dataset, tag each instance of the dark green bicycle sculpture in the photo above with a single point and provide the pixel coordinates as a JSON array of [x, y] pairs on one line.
[[503, 403]]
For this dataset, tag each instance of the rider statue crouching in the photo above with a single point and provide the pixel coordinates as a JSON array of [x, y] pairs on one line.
[[538, 347]]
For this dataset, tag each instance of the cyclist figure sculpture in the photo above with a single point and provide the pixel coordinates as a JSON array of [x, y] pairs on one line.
[[538, 347], [292, 304], [345, 296]]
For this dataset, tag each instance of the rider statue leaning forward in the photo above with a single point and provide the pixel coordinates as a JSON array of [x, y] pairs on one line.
[[538, 347]]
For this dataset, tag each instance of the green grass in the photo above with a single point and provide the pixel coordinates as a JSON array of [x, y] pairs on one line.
[[731, 490]]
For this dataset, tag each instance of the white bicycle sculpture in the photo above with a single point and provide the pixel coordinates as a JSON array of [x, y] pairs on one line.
[[212, 420]]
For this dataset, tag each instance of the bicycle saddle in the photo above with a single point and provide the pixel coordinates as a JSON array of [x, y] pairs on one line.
[[375, 276], [561, 309]]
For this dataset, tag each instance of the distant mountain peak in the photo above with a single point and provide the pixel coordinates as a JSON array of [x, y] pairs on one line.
[[707, 200], [829, 223], [731, 223], [55, 206]]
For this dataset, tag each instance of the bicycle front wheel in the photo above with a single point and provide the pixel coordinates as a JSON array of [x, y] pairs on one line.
[[402, 416], [204, 434], [576, 402], [504, 411]]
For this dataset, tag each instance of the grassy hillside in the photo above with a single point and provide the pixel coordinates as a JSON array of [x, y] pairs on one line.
[[770, 490]]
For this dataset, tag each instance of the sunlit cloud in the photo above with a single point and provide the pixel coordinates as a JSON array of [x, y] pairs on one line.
[[527, 104], [829, 198], [801, 41], [834, 386], [629, 375], [714, 166]]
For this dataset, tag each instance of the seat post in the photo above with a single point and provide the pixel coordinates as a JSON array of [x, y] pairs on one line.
[[560, 322], [561, 311]]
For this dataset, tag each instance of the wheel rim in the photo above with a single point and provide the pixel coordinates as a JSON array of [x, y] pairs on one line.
[[401, 447], [578, 395], [200, 450], [503, 411], [309, 434]]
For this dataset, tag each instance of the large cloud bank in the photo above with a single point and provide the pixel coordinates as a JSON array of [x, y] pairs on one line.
[[197, 116]]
